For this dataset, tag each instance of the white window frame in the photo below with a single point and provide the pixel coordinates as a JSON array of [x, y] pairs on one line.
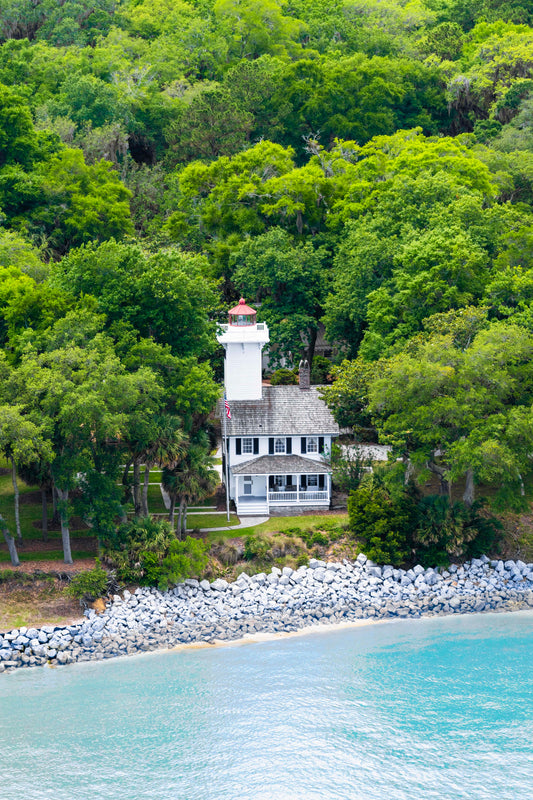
[[279, 481], [247, 446], [312, 444], [247, 484], [280, 446], [312, 480]]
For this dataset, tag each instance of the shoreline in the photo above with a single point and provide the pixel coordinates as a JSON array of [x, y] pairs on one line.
[[319, 598]]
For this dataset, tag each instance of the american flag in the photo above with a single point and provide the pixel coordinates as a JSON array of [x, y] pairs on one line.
[[228, 411]]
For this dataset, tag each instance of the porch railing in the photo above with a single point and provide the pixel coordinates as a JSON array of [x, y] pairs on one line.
[[282, 497], [295, 497]]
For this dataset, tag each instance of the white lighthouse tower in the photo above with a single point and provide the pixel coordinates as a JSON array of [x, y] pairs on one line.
[[243, 339]]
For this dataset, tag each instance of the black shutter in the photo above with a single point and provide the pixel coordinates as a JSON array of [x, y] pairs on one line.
[[238, 446], [288, 445], [256, 446], [320, 444], [303, 481], [303, 445], [271, 446], [288, 479], [270, 481], [321, 481]]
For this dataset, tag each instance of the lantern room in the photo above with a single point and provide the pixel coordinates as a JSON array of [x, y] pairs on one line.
[[242, 314]]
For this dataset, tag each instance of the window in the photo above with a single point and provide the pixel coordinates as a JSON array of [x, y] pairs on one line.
[[312, 444], [247, 445], [279, 481], [312, 480], [279, 445]]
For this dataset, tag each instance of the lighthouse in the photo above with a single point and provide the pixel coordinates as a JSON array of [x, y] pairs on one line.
[[243, 339]]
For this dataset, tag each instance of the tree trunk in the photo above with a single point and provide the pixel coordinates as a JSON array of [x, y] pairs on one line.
[[10, 543], [468, 496], [184, 520], [17, 503], [409, 470], [65, 533], [313, 334], [181, 518], [55, 517], [126, 472], [144, 498], [44, 502], [445, 485], [180, 511], [137, 488], [171, 510]]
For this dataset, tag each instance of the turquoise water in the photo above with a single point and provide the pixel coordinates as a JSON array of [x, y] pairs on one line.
[[436, 709]]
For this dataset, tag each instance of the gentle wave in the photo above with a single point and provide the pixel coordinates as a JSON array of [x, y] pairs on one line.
[[438, 708]]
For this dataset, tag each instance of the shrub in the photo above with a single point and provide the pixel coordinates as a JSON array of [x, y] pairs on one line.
[[455, 530], [256, 546], [320, 538], [147, 552], [381, 523], [89, 585], [284, 377], [137, 548], [186, 559]]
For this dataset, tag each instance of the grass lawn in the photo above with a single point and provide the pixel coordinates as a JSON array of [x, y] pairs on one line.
[[155, 500], [280, 524], [211, 520], [29, 512]]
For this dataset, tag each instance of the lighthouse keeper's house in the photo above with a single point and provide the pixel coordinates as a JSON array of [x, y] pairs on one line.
[[276, 436]]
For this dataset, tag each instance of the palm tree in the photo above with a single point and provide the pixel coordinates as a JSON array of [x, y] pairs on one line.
[[189, 480], [165, 450]]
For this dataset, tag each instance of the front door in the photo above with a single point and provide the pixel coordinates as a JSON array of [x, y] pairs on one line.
[[247, 484]]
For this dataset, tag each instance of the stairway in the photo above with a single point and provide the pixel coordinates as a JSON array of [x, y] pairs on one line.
[[252, 509]]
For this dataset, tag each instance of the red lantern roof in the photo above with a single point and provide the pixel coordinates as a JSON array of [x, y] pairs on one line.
[[241, 309]]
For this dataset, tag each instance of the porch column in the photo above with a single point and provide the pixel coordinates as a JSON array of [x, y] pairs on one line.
[[298, 478]]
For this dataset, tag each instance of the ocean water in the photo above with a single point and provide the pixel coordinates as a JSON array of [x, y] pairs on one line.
[[435, 709]]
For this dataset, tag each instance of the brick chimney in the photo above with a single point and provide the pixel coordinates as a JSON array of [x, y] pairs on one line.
[[304, 373]]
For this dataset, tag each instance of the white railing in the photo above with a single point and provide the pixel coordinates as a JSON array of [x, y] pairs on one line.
[[314, 496], [296, 497], [283, 497]]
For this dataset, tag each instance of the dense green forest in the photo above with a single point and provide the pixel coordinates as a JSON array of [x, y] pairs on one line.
[[357, 164]]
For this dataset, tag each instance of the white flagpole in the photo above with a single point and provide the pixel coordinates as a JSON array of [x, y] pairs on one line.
[[226, 459]]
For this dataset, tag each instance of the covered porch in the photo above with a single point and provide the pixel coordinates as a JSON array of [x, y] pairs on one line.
[[306, 484]]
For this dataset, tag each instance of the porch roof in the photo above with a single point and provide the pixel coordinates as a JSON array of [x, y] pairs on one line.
[[281, 465]]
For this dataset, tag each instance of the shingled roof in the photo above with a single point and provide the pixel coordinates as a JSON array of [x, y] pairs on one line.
[[280, 465], [282, 411]]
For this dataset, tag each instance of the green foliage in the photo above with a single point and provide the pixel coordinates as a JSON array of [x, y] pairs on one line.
[[284, 377], [321, 370], [381, 523], [362, 166], [185, 559], [145, 551], [90, 584], [349, 467], [347, 398], [256, 547], [409, 528]]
